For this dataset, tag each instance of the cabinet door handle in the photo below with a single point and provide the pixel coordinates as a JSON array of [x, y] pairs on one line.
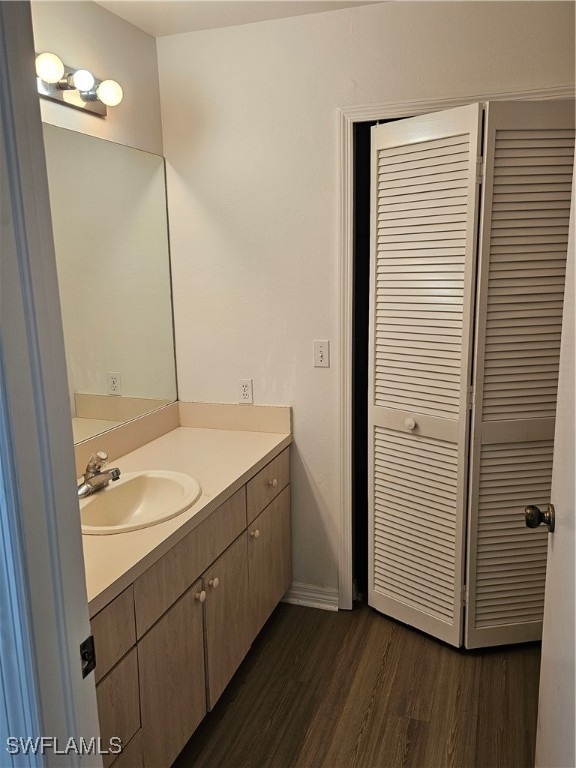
[[410, 424], [214, 582], [273, 483], [255, 534], [201, 596]]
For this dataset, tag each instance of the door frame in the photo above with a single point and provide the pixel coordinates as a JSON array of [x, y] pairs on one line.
[[46, 606], [347, 117]]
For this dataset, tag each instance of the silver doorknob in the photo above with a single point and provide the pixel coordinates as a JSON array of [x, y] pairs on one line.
[[534, 516]]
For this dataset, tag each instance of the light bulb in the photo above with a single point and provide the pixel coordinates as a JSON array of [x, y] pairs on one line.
[[49, 67], [110, 93], [83, 80]]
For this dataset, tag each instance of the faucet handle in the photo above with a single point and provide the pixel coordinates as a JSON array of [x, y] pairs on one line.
[[97, 461]]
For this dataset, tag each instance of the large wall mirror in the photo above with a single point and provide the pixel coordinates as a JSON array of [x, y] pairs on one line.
[[110, 225]]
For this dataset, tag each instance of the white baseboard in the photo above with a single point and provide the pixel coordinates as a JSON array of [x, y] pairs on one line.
[[312, 596]]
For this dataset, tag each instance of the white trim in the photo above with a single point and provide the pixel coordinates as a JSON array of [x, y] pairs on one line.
[[36, 410], [311, 596], [347, 116]]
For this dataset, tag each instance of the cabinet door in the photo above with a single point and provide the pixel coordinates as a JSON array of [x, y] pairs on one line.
[[172, 682], [269, 560], [131, 756], [118, 704], [226, 617]]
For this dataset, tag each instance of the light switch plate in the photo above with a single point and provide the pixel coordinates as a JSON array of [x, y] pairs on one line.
[[322, 354]]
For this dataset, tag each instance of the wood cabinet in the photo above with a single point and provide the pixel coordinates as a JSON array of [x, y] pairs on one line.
[[267, 484], [226, 617], [116, 675], [172, 683], [114, 632], [132, 755], [269, 560], [169, 644], [119, 703], [163, 583]]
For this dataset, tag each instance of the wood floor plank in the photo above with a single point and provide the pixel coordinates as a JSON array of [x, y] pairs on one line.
[[452, 729], [331, 703], [354, 689], [416, 679], [367, 702], [507, 709], [401, 745]]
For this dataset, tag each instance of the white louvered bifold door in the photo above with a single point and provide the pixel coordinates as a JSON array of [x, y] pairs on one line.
[[424, 204], [529, 152]]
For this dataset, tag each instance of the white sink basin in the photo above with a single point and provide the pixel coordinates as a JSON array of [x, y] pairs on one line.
[[138, 500]]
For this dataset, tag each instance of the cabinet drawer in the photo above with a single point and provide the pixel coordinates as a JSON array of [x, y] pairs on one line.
[[163, 583], [119, 703], [267, 484], [114, 632]]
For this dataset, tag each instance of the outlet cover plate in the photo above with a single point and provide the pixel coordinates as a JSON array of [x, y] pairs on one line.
[[114, 383], [245, 391]]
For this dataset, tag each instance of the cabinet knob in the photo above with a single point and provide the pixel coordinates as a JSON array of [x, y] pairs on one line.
[[214, 582], [273, 483], [409, 423], [201, 596], [255, 534]]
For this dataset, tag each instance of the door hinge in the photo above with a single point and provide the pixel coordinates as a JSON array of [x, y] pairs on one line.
[[471, 397], [479, 169], [463, 599], [88, 655]]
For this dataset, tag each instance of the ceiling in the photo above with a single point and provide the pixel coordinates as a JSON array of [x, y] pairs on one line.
[[169, 17]]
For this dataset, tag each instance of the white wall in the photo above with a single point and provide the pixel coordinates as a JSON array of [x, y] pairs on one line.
[[250, 135], [85, 35]]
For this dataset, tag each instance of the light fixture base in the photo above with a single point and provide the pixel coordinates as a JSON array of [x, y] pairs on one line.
[[71, 98]]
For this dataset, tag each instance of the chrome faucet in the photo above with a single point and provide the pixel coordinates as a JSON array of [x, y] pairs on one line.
[[94, 479]]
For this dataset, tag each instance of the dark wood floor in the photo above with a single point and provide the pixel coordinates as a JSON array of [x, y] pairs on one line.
[[337, 690]]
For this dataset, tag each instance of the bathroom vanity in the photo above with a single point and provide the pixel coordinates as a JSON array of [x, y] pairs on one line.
[[175, 607]]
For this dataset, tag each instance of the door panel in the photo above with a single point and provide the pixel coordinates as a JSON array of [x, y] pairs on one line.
[[424, 216], [556, 706], [529, 152]]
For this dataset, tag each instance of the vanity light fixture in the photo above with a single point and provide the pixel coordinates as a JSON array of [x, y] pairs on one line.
[[77, 88]]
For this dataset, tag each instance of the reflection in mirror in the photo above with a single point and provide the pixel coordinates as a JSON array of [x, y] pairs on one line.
[[110, 225]]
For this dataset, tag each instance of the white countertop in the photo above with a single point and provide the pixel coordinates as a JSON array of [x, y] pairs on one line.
[[221, 460]]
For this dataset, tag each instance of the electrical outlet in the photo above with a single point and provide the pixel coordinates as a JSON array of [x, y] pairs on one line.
[[321, 354], [245, 394], [114, 383]]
